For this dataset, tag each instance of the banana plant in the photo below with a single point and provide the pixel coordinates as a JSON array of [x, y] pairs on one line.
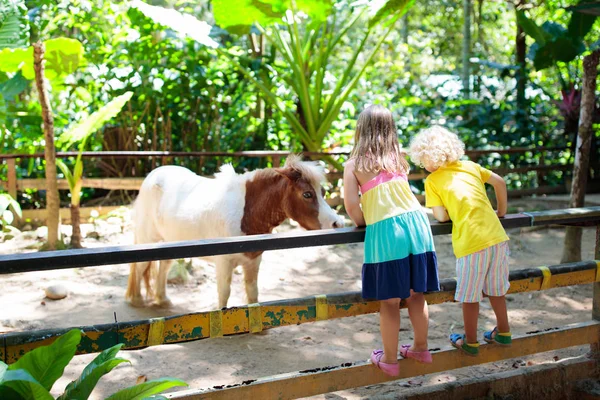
[[80, 133], [8, 208], [34, 374], [308, 35]]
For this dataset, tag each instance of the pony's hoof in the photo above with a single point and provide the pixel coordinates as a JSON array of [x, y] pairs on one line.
[[164, 303], [137, 302]]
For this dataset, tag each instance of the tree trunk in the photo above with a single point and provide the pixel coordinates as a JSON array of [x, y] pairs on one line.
[[52, 199], [404, 31], [521, 77], [572, 249], [76, 224], [466, 50]]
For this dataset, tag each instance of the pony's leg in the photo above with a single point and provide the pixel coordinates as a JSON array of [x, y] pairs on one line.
[[250, 279], [133, 295], [225, 268], [161, 298]]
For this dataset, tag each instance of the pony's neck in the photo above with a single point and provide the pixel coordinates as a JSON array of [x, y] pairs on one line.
[[263, 208]]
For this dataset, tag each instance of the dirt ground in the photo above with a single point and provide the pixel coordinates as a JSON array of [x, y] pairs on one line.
[[97, 293]]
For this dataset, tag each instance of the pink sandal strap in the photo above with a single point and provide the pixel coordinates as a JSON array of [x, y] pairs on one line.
[[421, 356], [386, 368]]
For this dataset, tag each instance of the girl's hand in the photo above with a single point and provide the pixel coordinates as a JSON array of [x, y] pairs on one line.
[[499, 214]]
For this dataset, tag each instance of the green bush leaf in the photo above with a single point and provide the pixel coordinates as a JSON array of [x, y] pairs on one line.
[[391, 7], [101, 365], [184, 24], [531, 28], [14, 26], [6, 201], [147, 389], [2, 111], [21, 382], [63, 56], [14, 86], [47, 363], [89, 125]]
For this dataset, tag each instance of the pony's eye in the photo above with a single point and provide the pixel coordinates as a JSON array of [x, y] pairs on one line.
[[307, 195]]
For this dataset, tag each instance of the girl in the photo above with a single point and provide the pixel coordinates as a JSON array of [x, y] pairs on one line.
[[455, 190], [399, 260]]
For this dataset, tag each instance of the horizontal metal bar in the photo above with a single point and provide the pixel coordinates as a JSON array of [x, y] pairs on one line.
[[43, 261], [273, 314], [350, 375]]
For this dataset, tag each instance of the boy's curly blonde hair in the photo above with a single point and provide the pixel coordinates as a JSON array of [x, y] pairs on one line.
[[436, 146]]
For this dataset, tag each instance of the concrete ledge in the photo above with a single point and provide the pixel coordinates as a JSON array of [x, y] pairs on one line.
[[552, 381]]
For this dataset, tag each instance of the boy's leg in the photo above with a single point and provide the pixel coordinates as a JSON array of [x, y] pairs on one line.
[[418, 313], [470, 316], [497, 284], [499, 306], [470, 280], [389, 324]]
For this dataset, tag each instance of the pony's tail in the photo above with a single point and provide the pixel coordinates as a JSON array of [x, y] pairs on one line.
[[149, 275]]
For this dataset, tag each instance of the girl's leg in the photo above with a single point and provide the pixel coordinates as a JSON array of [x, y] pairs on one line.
[[389, 324], [499, 305], [418, 313]]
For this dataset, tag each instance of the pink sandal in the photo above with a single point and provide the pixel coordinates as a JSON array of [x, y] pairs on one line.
[[420, 356], [388, 369]]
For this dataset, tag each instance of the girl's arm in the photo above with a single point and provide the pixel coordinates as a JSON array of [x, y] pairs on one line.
[[440, 213], [351, 199], [501, 196]]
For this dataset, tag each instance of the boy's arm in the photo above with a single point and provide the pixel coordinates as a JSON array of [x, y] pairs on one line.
[[440, 213], [501, 195], [351, 199]]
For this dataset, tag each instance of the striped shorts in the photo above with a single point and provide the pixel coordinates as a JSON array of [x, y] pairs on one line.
[[485, 271]]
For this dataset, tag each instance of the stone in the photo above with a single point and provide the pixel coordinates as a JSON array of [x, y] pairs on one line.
[[56, 292]]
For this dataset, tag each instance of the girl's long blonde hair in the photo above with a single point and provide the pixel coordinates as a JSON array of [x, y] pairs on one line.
[[376, 145]]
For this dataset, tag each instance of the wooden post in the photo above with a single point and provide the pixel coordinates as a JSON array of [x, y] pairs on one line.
[[595, 346], [12, 178], [276, 161]]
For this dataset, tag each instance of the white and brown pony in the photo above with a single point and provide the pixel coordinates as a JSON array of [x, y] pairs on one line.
[[175, 204]]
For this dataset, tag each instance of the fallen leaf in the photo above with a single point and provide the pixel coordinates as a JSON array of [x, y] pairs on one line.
[[141, 379]]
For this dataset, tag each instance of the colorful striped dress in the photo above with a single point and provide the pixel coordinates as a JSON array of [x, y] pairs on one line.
[[399, 249]]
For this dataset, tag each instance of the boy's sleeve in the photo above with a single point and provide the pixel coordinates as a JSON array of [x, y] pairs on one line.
[[485, 173], [432, 199]]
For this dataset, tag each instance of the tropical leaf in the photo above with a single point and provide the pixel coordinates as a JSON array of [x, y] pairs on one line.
[[14, 26], [14, 86], [101, 365], [531, 28], [67, 173], [21, 382], [580, 24], [264, 12], [147, 389], [382, 10], [82, 130], [7, 201], [63, 56], [184, 24], [47, 363]]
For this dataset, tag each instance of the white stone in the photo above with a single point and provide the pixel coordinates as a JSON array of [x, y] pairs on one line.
[[56, 292]]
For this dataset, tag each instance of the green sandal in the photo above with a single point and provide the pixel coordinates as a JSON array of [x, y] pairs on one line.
[[469, 349], [503, 339]]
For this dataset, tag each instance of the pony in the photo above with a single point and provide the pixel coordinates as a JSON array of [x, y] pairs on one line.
[[175, 204]]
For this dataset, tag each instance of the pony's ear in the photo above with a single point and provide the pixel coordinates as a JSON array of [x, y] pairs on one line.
[[291, 173]]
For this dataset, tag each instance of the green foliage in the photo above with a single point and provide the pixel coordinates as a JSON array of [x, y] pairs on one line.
[[14, 27], [146, 389], [34, 374], [264, 12], [63, 56], [8, 206]]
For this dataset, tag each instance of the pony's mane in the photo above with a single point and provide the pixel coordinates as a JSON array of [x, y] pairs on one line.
[[310, 170]]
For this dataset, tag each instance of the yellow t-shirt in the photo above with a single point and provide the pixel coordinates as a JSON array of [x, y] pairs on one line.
[[460, 188]]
